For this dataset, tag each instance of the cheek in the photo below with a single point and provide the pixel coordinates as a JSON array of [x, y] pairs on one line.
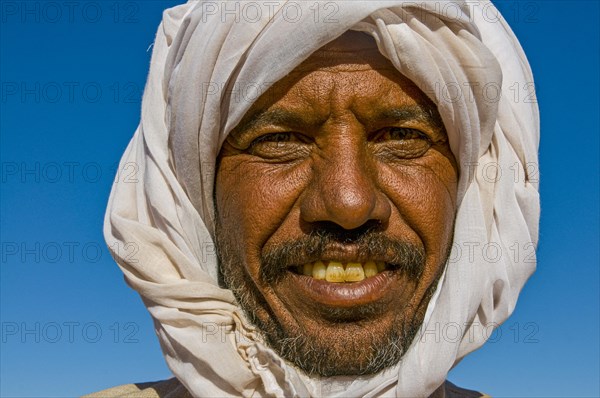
[[254, 199], [424, 195]]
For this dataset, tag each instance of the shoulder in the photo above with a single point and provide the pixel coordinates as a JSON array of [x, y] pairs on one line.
[[171, 388], [453, 391]]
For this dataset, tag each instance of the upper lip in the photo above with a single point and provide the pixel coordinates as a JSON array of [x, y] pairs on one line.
[[344, 254]]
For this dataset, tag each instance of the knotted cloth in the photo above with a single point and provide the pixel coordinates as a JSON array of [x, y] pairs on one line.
[[210, 61]]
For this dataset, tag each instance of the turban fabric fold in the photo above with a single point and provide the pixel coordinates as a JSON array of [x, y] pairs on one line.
[[207, 68]]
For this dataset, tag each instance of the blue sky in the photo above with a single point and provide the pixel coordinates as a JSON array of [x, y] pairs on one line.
[[72, 74]]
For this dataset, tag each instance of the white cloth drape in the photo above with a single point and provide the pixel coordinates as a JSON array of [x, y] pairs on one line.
[[208, 65]]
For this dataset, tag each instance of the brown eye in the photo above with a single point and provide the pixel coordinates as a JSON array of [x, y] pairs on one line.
[[283, 145], [274, 137], [400, 133], [401, 143]]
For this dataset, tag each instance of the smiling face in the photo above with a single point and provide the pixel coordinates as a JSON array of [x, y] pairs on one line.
[[335, 200]]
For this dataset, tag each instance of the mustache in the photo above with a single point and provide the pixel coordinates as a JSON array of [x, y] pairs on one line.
[[370, 244]]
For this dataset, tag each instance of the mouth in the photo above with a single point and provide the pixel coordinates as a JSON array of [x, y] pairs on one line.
[[349, 285], [341, 281], [340, 272]]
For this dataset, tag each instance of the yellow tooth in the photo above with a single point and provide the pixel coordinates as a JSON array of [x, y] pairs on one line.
[[307, 269], [380, 266], [370, 269], [318, 270], [354, 272], [335, 272]]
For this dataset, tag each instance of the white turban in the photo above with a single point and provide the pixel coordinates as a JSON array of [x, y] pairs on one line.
[[208, 65]]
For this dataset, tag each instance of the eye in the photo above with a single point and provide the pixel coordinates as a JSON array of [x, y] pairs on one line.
[[273, 137], [401, 143], [400, 133], [280, 145]]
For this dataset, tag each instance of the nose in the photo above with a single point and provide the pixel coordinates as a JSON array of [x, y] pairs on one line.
[[344, 188]]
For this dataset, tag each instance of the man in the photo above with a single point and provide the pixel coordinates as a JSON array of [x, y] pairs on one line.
[[316, 208]]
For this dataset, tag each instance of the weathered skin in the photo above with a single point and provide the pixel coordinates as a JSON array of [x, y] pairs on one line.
[[323, 158]]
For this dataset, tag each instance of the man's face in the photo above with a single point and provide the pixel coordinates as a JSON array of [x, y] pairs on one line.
[[335, 199]]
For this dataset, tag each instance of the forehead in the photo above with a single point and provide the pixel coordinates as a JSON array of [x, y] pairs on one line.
[[347, 73]]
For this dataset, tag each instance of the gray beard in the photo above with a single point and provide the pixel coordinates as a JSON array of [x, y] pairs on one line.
[[315, 354]]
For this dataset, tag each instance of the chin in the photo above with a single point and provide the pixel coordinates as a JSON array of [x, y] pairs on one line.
[[327, 340], [337, 349]]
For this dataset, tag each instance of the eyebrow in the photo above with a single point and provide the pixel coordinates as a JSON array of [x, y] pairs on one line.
[[270, 117], [407, 113], [281, 116]]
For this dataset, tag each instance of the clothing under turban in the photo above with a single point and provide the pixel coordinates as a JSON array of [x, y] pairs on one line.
[[210, 60]]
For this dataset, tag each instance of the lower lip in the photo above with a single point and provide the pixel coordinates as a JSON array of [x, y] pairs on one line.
[[344, 295]]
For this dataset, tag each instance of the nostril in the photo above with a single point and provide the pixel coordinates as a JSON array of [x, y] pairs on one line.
[[343, 235]]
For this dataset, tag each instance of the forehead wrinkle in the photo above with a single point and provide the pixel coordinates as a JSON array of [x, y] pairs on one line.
[[372, 100], [333, 92], [282, 104], [318, 90]]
